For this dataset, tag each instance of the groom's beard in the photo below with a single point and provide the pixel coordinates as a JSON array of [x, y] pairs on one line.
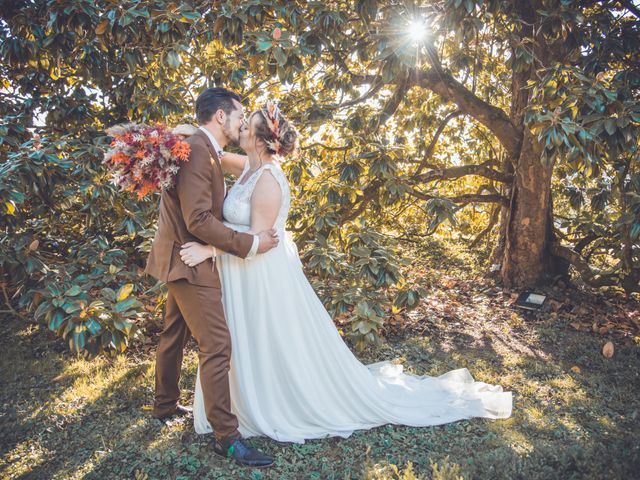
[[233, 137]]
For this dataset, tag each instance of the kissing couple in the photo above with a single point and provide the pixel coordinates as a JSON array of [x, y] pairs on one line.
[[271, 361]]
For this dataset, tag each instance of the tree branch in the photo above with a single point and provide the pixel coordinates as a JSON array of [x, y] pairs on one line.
[[368, 195], [631, 7], [371, 92], [327, 147], [463, 171], [464, 198], [584, 242], [496, 120], [436, 136], [336, 56], [7, 301], [492, 221], [443, 84], [587, 274], [392, 104]]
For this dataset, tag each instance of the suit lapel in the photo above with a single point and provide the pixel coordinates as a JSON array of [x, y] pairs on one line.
[[214, 155], [212, 150]]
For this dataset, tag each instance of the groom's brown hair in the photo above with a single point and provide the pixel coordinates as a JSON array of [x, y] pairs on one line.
[[212, 100]]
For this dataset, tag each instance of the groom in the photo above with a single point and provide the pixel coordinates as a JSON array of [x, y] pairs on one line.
[[192, 211]]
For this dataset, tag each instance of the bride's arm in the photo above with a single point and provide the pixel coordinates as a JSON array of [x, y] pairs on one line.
[[265, 202], [233, 163]]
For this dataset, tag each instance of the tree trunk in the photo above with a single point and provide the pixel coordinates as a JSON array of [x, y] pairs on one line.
[[528, 232]]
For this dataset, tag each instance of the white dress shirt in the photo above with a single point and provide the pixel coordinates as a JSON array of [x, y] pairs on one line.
[[220, 152]]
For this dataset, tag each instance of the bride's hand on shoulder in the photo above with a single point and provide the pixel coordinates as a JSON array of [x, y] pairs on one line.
[[185, 130], [194, 253]]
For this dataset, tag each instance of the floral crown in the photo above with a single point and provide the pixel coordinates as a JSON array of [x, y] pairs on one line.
[[270, 113]]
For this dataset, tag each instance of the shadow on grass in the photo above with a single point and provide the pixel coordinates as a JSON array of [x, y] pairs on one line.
[[61, 415], [575, 413]]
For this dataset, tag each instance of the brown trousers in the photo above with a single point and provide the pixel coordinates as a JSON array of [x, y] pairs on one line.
[[196, 310]]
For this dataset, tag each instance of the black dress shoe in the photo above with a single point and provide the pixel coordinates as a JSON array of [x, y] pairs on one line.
[[180, 411], [244, 454]]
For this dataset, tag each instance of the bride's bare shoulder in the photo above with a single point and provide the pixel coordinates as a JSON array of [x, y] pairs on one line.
[[268, 186]]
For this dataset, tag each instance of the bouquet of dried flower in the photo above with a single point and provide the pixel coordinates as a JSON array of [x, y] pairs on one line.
[[145, 159]]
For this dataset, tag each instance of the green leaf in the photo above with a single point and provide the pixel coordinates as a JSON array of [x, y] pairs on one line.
[[96, 304], [610, 126], [126, 304], [71, 307], [73, 291], [123, 325], [411, 298], [109, 294], [363, 309], [191, 15], [364, 327], [400, 300], [56, 320], [70, 326], [126, 19], [77, 341], [173, 59], [42, 309], [469, 5], [264, 45], [119, 341], [93, 326], [280, 56], [360, 251]]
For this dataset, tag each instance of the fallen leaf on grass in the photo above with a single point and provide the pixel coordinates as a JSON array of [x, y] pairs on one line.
[[576, 369], [449, 283], [555, 305], [580, 311], [608, 349]]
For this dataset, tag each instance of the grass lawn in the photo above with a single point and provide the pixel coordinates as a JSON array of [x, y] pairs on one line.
[[576, 413]]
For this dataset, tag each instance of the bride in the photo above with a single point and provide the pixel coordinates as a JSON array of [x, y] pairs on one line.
[[292, 377]]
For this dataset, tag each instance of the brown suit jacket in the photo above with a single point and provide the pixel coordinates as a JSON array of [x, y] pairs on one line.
[[192, 212]]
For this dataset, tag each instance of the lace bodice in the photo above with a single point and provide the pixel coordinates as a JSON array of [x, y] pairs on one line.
[[237, 205]]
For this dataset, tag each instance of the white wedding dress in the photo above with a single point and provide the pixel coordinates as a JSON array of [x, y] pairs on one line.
[[292, 377]]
